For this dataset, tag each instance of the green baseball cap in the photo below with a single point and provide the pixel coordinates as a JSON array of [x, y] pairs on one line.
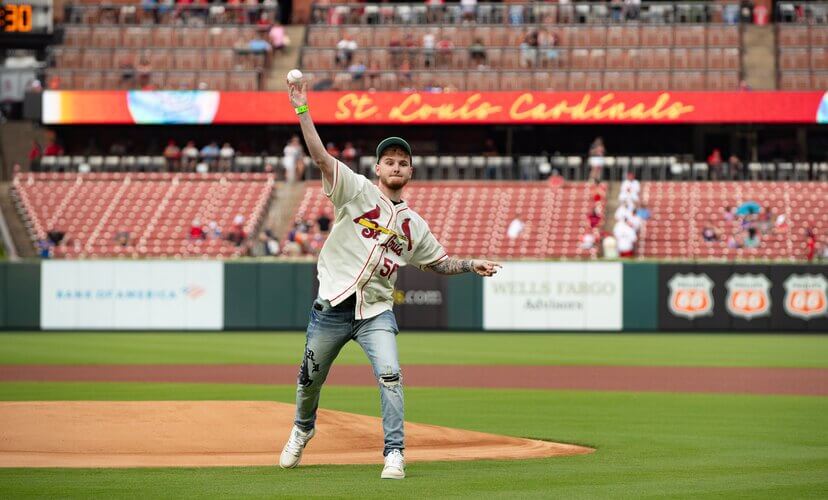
[[392, 141]]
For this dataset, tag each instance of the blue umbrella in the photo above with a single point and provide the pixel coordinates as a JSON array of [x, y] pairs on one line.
[[748, 208]]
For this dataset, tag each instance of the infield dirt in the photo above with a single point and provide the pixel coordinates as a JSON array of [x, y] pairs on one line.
[[221, 433]]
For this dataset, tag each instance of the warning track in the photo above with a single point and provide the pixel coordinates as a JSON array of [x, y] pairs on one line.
[[787, 381]]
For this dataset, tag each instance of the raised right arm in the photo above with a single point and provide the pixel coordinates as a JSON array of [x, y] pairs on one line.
[[298, 93]]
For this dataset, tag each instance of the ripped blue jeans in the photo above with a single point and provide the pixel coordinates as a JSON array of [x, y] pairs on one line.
[[329, 329]]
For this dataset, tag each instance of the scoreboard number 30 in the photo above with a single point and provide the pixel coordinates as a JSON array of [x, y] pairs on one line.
[[16, 18]]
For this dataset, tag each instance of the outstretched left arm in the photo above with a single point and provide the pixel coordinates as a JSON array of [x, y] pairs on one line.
[[458, 266]]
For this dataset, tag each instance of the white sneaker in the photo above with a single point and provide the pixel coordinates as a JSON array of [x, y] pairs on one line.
[[394, 465], [292, 452]]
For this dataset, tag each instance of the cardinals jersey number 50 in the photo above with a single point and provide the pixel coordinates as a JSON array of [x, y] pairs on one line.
[[372, 238]]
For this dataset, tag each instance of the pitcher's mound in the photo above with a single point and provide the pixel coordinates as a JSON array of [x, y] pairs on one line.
[[224, 433]]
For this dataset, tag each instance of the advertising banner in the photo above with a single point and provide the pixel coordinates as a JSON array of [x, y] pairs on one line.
[[132, 295], [414, 108], [420, 300], [554, 296], [743, 297]]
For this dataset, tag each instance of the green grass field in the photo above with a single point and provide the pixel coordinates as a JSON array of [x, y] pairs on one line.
[[423, 348], [648, 444]]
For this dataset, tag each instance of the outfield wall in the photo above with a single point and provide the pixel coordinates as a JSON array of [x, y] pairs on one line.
[[524, 296]]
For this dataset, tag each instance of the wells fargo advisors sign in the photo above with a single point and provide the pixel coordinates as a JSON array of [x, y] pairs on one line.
[[386, 108]]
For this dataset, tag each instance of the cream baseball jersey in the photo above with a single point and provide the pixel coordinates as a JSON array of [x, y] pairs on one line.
[[370, 240]]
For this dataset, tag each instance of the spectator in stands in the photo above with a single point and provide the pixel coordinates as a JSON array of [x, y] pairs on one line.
[[625, 237], [709, 233], [272, 245], [616, 10], [635, 221], [277, 37], [643, 212], [729, 213], [714, 164], [781, 224], [34, 155], [122, 238], [345, 49], [547, 45], [609, 247], [196, 230], [52, 148], [734, 241], [237, 234], [429, 46], [172, 153], [624, 211], [189, 155], [477, 54], [210, 153], [323, 221], [259, 45], [594, 218], [597, 151], [445, 48], [744, 86], [213, 230], [292, 157], [226, 154], [469, 8], [736, 168], [516, 227], [597, 191], [349, 154], [357, 71], [529, 49], [588, 239], [515, 14], [630, 189], [44, 248], [632, 9], [810, 243], [56, 236], [435, 10], [752, 240]]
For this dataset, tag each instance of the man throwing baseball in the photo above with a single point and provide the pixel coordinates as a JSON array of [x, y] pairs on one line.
[[374, 234]]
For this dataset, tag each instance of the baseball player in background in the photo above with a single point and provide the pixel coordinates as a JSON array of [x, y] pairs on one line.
[[374, 234]]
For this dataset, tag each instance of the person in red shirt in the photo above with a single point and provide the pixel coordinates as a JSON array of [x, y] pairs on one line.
[[810, 243], [594, 218], [52, 149], [34, 155], [196, 231], [714, 163]]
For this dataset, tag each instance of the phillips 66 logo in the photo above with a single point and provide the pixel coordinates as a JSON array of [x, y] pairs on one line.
[[691, 295], [748, 295], [805, 295]]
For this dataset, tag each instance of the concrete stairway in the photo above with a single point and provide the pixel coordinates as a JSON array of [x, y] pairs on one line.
[[19, 234], [759, 57], [15, 143], [285, 202], [275, 77]]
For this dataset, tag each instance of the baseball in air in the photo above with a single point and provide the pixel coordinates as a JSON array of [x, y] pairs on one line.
[[294, 76]]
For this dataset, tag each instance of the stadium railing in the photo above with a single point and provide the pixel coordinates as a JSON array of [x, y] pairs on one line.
[[450, 167], [802, 45], [522, 13], [143, 13]]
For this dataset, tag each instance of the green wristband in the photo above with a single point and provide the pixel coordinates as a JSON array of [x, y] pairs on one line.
[[302, 109]]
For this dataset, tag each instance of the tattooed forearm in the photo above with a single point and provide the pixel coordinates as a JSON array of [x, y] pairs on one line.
[[452, 266]]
